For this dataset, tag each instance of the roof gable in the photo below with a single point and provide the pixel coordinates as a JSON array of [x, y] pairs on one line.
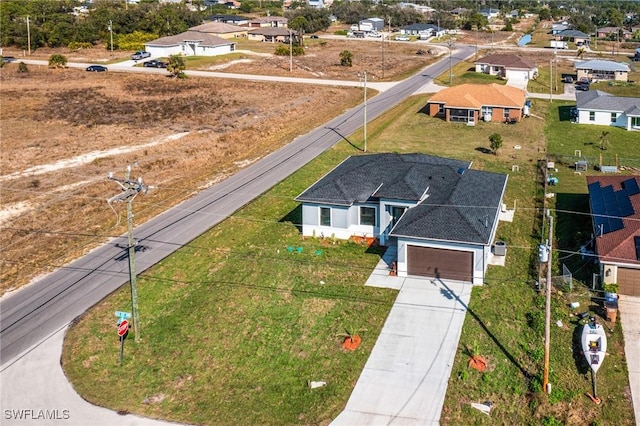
[[205, 39], [602, 101], [601, 65]]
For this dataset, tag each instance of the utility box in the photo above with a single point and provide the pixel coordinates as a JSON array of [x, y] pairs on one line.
[[500, 248]]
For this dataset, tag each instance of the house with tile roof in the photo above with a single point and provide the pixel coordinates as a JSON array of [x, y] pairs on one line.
[[438, 213], [190, 43], [507, 66], [469, 103], [598, 69], [615, 210], [603, 109]]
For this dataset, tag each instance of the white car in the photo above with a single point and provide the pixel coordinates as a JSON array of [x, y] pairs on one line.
[[374, 34], [402, 38]]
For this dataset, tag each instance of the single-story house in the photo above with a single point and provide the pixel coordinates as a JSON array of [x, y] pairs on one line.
[[507, 66], [613, 32], [559, 27], [598, 69], [268, 22], [574, 36], [271, 34], [190, 43], [489, 13], [371, 24], [423, 29], [469, 103], [600, 108], [229, 19], [439, 214], [615, 209], [221, 30]]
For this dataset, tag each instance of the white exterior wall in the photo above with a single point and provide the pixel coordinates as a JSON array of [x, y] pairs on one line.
[[189, 49], [603, 118], [163, 51], [345, 222], [518, 74], [480, 255]]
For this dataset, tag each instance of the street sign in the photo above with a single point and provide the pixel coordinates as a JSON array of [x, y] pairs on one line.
[[123, 327]]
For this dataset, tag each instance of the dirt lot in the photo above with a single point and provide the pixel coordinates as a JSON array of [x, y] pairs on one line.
[[64, 130]]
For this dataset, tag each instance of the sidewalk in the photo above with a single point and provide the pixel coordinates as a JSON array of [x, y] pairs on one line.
[[630, 320], [404, 381]]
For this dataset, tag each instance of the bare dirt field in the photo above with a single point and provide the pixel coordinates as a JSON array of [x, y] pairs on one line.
[[64, 130]]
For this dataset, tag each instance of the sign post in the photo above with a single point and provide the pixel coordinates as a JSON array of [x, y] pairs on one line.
[[123, 330]]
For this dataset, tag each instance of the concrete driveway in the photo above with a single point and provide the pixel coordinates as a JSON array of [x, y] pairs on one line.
[[629, 308], [404, 381]]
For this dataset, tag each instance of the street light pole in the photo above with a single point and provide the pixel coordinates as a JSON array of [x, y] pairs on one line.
[[111, 35], [290, 51], [450, 45]]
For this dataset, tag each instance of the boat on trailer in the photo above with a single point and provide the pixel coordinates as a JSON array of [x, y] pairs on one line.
[[594, 347]]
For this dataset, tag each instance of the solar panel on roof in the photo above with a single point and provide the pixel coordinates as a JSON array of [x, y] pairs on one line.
[[625, 208], [615, 224], [631, 186]]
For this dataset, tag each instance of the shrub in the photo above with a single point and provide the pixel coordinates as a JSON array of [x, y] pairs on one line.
[[22, 67], [346, 58], [57, 61], [283, 50], [77, 45]]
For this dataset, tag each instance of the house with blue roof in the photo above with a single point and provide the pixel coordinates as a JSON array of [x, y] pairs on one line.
[[439, 214], [598, 69], [603, 109]]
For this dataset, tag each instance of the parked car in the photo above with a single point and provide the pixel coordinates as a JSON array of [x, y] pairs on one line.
[[314, 36], [582, 87], [583, 80], [154, 63], [7, 59], [140, 55], [402, 38], [568, 79], [96, 68]]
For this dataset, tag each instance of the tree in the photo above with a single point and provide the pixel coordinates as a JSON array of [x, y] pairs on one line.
[[299, 24], [22, 68], [57, 61], [580, 53], [496, 142], [346, 58], [176, 66]]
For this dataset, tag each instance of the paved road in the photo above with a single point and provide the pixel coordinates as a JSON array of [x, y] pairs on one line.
[[38, 310]]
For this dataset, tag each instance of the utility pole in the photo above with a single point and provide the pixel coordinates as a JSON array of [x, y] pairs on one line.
[[290, 51], [382, 38], [130, 189], [546, 386], [364, 127], [111, 35], [450, 44], [29, 35], [550, 80]]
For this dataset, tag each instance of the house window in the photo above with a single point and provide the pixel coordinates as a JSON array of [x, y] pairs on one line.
[[487, 110], [368, 216], [635, 122], [506, 113], [441, 109], [614, 116], [325, 216], [592, 116]]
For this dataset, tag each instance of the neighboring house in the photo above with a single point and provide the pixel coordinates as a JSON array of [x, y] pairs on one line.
[[469, 103], [222, 30], [559, 27], [423, 29], [268, 22], [458, 11], [574, 36], [489, 13], [507, 66], [270, 35], [316, 4], [439, 214], [600, 108], [613, 32], [602, 70], [371, 24], [615, 209], [190, 43], [229, 19]]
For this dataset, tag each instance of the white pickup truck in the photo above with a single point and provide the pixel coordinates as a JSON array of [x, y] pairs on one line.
[[140, 55]]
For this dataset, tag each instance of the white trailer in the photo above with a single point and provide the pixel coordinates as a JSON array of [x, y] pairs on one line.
[[559, 44]]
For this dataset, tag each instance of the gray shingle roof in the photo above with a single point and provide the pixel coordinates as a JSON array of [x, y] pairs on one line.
[[205, 39], [602, 101], [397, 176], [507, 61], [572, 33], [466, 214], [600, 65]]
